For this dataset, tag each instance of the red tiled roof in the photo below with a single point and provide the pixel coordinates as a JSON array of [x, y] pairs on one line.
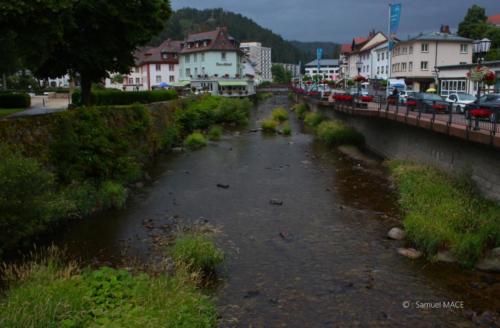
[[154, 54], [345, 48], [218, 39], [360, 39], [495, 19]]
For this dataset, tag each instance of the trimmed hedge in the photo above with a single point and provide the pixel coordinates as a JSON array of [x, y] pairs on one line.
[[116, 97], [15, 100]]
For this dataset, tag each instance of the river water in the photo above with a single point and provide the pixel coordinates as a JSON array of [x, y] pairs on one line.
[[321, 259]]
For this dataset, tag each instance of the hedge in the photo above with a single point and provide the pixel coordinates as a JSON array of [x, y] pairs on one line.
[[116, 97], [15, 100]]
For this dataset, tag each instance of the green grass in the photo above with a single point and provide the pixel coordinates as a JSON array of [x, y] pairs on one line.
[[195, 140], [287, 129], [50, 294], [280, 114], [301, 110], [4, 112], [313, 119], [444, 212], [112, 194], [269, 125], [196, 251], [215, 133], [338, 133]]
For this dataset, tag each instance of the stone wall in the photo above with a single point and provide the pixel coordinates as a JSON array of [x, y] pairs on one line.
[[395, 140]]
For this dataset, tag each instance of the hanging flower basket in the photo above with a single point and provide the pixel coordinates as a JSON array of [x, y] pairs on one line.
[[482, 74], [360, 78], [490, 78]]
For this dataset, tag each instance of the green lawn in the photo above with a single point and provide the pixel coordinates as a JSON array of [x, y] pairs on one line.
[[7, 111]]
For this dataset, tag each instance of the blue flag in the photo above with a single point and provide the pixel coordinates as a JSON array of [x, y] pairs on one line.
[[395, 18]]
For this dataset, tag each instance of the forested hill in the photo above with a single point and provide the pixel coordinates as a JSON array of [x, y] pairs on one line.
[[242, 28], [330, 49]]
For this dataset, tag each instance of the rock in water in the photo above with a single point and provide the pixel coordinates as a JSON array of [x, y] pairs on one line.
[[223, 186], [445, 256], [276, 202], [491, 262], [410, 253], [396, 234]]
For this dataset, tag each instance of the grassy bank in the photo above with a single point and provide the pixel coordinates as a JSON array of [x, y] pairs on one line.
[[444, 212], [277, 123], [50, 293], [4, 112], [77, 162]]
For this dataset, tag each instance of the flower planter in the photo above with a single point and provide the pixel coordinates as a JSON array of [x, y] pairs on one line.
[[480, 112], [366, 99]]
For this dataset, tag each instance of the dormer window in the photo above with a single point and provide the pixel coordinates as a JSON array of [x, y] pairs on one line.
[[205, 43]]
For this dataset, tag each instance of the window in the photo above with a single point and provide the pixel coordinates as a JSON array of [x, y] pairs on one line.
[[130, 81], [383, 55], [403, 67], [423, 66], [188, 72], [158, 78], [378, 56], [137, 80], [378, 70], [425, 47], [223, 56], [410, 50], [171, 67], [158, 67], [202, 57], [405, 50], [171, 78], [410, 66], [464, 48], [195, 59], [382, 70], [196, 71], [188, 59]]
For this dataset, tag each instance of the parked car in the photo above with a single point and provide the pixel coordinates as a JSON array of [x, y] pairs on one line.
[[404, 95], [459, 100], [428, 102], [488, 108]]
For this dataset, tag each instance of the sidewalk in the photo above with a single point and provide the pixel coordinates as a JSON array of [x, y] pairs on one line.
[[41, 105]]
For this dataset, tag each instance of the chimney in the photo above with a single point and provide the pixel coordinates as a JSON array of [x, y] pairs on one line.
[[445, 29]]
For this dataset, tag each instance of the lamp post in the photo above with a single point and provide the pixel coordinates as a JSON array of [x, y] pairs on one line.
[[359, 64], [481, 47]]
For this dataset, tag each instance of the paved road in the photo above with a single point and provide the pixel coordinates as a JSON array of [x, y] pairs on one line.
[[41, 105]]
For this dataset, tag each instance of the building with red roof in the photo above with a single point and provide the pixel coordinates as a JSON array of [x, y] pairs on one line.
[[495, 20]]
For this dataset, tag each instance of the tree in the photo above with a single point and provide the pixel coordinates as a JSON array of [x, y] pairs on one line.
[[475, 23], [89, 38], [280, 74]]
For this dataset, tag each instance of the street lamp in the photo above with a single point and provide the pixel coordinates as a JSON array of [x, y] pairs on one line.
[[481, 47], [359, 64]]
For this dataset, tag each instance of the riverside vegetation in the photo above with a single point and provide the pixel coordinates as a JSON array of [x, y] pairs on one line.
[[91, 157], [278, 122], [443, 212]]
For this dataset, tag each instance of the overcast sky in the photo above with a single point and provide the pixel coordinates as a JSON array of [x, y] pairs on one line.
[[340, 20]]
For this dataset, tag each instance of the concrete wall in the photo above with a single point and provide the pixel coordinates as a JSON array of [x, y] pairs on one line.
[[395, 140]]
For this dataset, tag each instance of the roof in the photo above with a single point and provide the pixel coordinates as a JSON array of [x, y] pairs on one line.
[[495, 19], [154, 54], [218, 39], [359, 39], [324, 62], [438, 36], [345, 48]]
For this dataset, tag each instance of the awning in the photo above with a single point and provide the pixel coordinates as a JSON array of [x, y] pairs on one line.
[[180, 84], [233, 84]]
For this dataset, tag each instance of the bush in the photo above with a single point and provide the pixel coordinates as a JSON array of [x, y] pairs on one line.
[[15, 100], [117, 97], [313, 119], [170, 137], [269, 125], [215, 133], [195, 140], [280, 114], [196, 251], [338, 133], [287, 129], [443, 212], [301, 110], [28, 203], [49, 294], [112, 195]]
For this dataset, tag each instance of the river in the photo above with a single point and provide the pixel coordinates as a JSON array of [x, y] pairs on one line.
[[321, 259]]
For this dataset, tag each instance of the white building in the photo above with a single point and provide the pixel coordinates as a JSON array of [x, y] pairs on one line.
[[363, 55], [154, 67], [380, 61], [329, 69], [260, 57], [453, 78], [213, 62]]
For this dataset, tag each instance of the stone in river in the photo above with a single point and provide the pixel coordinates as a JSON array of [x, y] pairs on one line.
[[445, 256], [222, 185], [410, 253], [396, 234], [491, 262], [276, 202]]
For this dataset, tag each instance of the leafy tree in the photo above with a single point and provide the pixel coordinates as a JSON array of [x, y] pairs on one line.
[[280, 74], [474, 25], [87, 38]]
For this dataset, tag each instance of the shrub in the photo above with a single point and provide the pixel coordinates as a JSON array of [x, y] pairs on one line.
[[233, 111], [301, 110], [338, 133], [269, 125], [15, 100], [117, 97], [261, 96], [287, 129], [195, 140], [442, 212], [280, 114], [197, 251], [49, 294], [215, 133], [112, 194], [28, 203], [170, 137], [313, 119]]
